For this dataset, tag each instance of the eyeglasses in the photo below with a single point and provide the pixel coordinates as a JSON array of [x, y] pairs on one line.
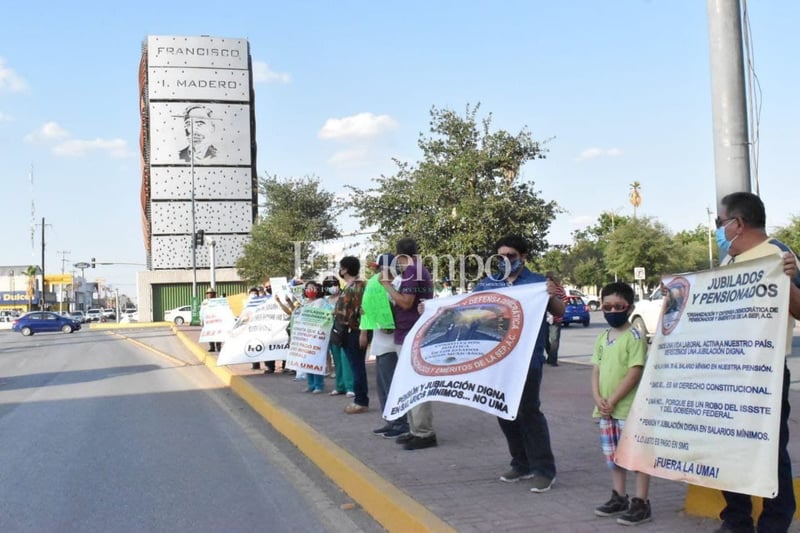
[[723, 221], [615, 308]]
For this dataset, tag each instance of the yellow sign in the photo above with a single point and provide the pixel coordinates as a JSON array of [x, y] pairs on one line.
[[55, 279]]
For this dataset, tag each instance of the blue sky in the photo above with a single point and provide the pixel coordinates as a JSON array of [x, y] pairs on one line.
[[622, 88]]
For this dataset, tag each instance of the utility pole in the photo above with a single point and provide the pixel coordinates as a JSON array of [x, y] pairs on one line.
[[64, 254], [728, 98], [41, 300]]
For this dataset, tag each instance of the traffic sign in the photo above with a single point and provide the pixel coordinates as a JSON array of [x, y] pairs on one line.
[[638, 273], [82, 265]]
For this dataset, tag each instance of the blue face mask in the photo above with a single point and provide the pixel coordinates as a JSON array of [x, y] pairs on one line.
[[722, 241], [615, 320], [506, 267]]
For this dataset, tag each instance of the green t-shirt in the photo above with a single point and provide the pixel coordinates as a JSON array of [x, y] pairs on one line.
[[615, 359]]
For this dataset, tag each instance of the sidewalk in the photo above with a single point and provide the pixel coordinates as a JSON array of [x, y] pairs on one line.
[[458, 480]]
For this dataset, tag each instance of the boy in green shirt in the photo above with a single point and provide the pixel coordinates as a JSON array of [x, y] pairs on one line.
[[619, 357]]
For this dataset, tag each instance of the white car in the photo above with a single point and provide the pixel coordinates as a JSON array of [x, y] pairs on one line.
[[647, 313], [179, 315]]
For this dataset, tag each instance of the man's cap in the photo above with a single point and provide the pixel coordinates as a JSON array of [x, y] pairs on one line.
[[383, 260], [211, 291]]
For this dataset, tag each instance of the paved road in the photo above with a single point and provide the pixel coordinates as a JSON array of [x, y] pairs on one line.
[[101, 434]]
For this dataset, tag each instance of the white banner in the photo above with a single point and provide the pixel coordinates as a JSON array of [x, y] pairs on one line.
[[709, 401], [218, 320], [308, 346], [258, 335], [472, 349]]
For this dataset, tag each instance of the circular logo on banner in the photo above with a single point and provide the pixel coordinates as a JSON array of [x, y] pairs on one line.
[[254, 348], [674, 303], [478, 332]]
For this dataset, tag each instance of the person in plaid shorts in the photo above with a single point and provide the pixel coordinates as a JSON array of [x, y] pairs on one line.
[[618, 359]]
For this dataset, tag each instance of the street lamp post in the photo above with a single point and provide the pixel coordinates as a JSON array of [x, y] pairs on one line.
[[195, 306]]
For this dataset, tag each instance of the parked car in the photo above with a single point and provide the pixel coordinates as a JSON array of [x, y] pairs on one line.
[[79, 316], [647, 312], [179, 315], [592, 301], [95, 314], [129, 316], [109, 314], [577, 312], [43, 321]]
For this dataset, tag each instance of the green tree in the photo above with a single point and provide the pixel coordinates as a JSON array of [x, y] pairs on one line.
[[691, 250], [463, 194], [296, 213], [551, 260], [642, 242], [790, 234]]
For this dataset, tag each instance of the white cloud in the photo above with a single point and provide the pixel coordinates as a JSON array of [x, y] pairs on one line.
[[263, 74], [5, 117], [9, 79], [65, 145], [78, 147], [50, 131], [360, 126], [594, 153], [349, 158]]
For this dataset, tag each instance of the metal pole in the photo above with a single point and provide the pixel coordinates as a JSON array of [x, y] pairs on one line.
[[42, 298], [728, 98], [710, 249], [213, 259], [195, 306]]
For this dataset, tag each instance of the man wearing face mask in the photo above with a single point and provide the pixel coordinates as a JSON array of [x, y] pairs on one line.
[[528, 436], [741, 236], [344, 374]]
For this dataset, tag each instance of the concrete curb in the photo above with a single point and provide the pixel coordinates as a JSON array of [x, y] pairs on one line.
[[389, 506]]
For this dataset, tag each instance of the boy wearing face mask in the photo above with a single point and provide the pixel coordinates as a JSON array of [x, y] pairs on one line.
[[619, 357]]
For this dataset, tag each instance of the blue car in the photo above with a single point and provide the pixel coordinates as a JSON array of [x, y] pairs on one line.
[[42, 321], [577, 312]]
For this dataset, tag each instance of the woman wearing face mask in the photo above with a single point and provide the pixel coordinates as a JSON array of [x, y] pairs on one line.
[[344, 375], [312, 292]]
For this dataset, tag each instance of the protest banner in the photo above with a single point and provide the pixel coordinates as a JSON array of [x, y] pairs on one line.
[[471, 350], [259, 334], [280, 288], [218, 320], [709, 400], [311, 333]]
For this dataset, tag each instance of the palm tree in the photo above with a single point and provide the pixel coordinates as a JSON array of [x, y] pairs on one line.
[[635, 197], [31, 272]]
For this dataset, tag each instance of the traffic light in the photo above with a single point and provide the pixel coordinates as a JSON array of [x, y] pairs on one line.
[[92, 262], [199, 237]]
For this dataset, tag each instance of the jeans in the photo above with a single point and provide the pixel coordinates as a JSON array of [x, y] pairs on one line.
[[778, 511], [553, 340], [315, 381], [357, 357], [528, 436], [384, 371], [344, 376]]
